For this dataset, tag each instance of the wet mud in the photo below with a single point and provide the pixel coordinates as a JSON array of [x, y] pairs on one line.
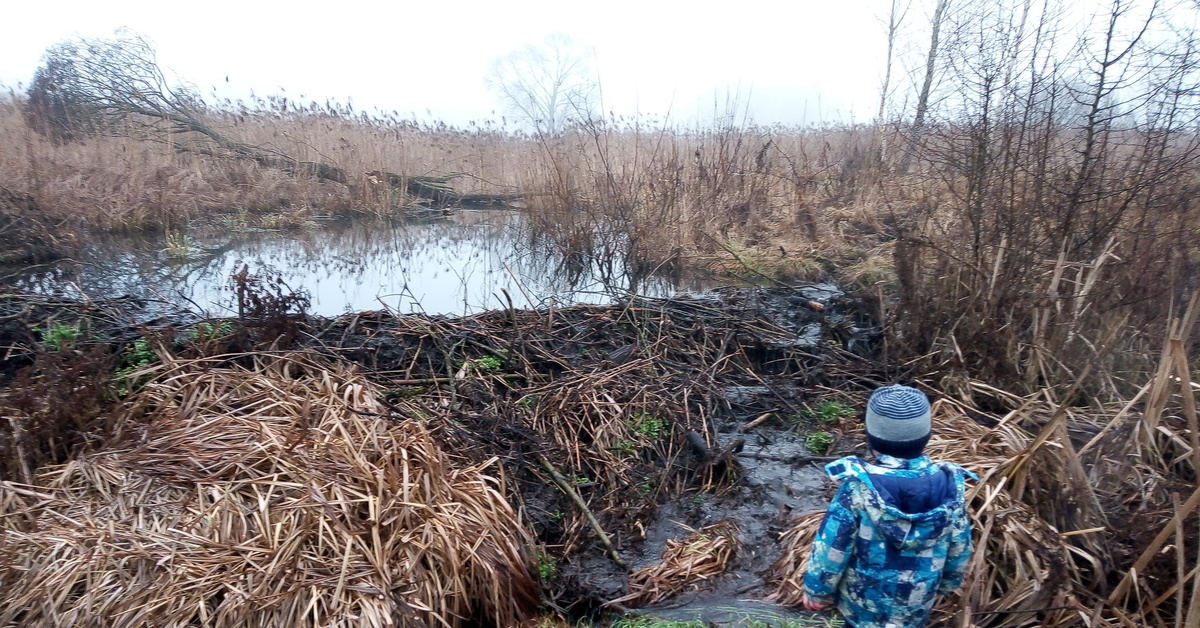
[[669, 415]]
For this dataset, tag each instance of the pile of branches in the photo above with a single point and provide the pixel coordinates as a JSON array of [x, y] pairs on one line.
[[595, 413], [614, 396]]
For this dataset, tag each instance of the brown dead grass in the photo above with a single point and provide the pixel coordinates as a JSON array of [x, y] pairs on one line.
[[1020, 564], [701, 556], [274, 495]]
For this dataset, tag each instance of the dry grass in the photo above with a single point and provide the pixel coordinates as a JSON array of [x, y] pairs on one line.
[[1021, 563], [787, 574], [701, 556], [274, 495], [1004, 289], [290, 464], [1064, 533]]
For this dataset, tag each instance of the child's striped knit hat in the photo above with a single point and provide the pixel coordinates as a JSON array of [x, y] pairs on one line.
[[898, 421]]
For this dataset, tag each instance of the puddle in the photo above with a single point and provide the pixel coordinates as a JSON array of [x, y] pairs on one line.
[[460, 264]]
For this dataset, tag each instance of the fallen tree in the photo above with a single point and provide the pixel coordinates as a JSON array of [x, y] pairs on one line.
[[438, 192], [88, 87], [115, 87]]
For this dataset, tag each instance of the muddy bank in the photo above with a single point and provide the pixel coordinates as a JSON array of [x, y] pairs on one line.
[[665, 416], [662, 456]]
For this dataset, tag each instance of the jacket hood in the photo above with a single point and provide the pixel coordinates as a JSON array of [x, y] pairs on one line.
[[911, 502]]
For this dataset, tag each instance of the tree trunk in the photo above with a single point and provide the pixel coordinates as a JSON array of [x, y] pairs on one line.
[[939, 14]]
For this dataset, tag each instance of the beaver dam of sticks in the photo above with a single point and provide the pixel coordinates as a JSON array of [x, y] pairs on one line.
[[537, 468]]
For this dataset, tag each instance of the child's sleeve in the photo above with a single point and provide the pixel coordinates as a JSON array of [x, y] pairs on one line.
[[832, 548], [958, 554]]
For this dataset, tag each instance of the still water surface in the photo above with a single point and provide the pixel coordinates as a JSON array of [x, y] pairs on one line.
[[457, 265]]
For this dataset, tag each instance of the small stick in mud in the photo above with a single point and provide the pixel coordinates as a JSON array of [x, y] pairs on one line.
[[756, 422], [575, 497]]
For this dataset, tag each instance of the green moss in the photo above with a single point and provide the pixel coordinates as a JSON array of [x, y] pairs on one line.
[[819, 442], [831, 411], [59, 336], [547, 567], [648, 426]]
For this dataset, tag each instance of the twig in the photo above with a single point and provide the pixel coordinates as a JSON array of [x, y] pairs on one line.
[[756, 422], [587, 512]]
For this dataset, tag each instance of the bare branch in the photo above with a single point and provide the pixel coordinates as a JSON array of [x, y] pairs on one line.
[[545, 85]]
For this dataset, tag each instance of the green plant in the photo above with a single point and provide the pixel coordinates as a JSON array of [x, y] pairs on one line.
[[487, 364], [205, 331], [624, 447], [647, 425], [59, 336], [528, 401], [135, 358], [547, 567], [831, 411], [179, 247], [484, 364], [819, 442], [140, 353]]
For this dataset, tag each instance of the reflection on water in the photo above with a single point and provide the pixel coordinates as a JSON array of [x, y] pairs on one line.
[[459, 265]]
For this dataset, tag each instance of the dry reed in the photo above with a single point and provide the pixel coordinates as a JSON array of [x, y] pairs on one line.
[[1021, 564], [278, 494], [701, 556]]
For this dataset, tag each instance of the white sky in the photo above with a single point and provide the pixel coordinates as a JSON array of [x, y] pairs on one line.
[[787, 56], [790, 61]]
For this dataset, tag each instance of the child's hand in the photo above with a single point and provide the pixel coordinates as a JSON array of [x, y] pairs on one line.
[[813, 605]]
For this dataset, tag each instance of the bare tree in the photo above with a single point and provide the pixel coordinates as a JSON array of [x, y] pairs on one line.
[[89, 86], [895, 19], [546, 84], [939, 15], [115, 86]]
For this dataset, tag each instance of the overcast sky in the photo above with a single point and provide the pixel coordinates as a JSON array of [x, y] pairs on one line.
[[789, 61]]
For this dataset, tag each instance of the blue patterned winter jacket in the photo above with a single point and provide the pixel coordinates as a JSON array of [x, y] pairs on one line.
[[895, 536]]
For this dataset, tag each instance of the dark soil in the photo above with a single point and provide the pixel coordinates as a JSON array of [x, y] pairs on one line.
[[508, 384]]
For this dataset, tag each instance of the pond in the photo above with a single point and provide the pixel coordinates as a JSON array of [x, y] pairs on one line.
[[458, 264]]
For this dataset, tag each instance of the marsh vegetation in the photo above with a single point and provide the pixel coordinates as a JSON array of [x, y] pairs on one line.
[[1025, 247]]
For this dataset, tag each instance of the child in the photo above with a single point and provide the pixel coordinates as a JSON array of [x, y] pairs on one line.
[[897, 533]]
